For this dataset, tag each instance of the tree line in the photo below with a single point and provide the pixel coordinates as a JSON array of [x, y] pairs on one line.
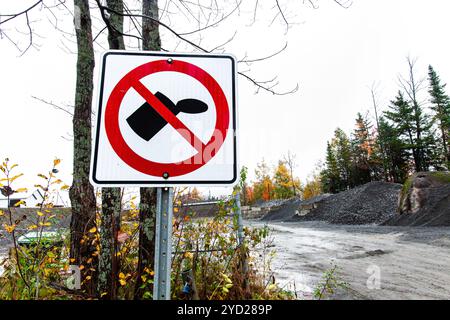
[[411, 135]]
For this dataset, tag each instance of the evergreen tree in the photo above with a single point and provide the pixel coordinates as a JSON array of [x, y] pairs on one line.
[[414, 129], [400, 114], [396, 152], [343, 154], [423, 145], [441, 108], [362, 151], [330, 176]]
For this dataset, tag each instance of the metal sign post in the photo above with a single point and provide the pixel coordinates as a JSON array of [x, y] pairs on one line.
[[163, 243]]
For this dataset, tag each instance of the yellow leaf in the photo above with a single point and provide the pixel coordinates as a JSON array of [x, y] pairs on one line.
[[19, 203], [21, 190], [1, 213], [40, 175], [271, 287], [81, 267], [92, 230], [39, 213], [121, 275], [103, 294], [56, 162], [89, 260], [9, 228], [45, 224], [32, 227], [15, 177], [88, 278], [13, 166], [122, 282], [144, 278], [72, 260], [226, 278], [65, 187]]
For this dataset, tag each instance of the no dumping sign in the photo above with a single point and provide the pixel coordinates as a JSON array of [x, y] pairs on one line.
[[165, 119]]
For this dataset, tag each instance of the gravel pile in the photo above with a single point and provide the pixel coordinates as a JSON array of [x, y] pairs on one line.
[[372, 203], [284, 210]]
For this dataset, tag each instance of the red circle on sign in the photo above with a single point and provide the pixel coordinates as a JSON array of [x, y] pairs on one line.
[[158, 169]]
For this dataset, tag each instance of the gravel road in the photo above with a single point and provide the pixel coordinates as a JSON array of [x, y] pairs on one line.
[[412, 262]]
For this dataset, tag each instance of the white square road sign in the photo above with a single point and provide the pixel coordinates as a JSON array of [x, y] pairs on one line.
[[165, 119]]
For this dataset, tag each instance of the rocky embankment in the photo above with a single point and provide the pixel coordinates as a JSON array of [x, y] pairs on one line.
[[424, 201]]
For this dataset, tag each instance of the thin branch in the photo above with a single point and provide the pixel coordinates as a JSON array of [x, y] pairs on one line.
[[264, 58], [15, 15], [214, 23], [260, 85], [50, 103], [282, 15]]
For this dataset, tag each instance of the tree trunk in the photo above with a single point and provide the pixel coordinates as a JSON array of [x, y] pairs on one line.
[[81, 192], [109, 265], [146, 253], [147, 211]]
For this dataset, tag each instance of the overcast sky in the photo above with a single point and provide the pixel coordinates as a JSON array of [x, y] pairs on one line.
[[333, 54]]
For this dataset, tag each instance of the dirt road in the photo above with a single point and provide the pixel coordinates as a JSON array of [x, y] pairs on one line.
[[377, 262]]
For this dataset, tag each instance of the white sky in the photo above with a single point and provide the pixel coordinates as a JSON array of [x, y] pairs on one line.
[[334, 55]]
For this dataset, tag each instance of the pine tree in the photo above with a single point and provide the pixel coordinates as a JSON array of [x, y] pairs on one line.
[[396, 151], [423, 143], [343, 153], [441, 108], [400, 114], [330, 177], [414, 128], [362, 151]]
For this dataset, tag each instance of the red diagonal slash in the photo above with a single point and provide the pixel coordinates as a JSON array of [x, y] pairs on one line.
[[164, 112]]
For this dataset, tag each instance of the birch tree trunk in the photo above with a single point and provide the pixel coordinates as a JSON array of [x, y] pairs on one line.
[[147, 211], [82, 198]]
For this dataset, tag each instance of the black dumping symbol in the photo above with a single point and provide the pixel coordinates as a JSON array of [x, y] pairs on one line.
[[146, 122]]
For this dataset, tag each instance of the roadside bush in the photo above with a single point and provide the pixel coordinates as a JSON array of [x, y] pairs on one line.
[[213, 258]]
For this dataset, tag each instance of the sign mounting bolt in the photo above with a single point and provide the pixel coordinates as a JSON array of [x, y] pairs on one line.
[[165, 175], [170, 61]]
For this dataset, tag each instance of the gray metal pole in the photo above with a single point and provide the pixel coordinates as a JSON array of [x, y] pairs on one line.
[[163, 243]]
